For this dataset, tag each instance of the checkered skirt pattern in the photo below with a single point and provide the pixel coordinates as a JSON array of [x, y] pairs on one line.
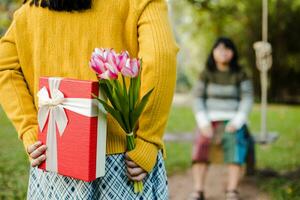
[[113, 186]]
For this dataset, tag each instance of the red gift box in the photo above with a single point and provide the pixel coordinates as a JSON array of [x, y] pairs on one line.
[[73, 128]]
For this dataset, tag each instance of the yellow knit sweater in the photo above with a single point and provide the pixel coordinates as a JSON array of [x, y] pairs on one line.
[[41, 42]]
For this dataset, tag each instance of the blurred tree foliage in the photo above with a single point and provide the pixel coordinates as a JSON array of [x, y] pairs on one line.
[[7, 8], [199, 22]]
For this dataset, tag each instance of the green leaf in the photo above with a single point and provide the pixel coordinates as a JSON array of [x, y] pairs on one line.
[[133, 98], [131, 94], [107, 89], [134, 90], [137, 85], [140, 107], [123, 103], [109, 84], [126, 97], [124, 87], [111, 90], [104, 91], [119, 95], [115, 113], [131, 121], [130, 142], [116, 99]]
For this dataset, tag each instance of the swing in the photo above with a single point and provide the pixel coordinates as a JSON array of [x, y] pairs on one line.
[[263, 51]]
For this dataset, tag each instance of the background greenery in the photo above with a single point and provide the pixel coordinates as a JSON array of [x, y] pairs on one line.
[[280, 158], [199, 22]]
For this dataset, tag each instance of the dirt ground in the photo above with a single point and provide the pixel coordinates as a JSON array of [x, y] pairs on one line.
[[181, 185]]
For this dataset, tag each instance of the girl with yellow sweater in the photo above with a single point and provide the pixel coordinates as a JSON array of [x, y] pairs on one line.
[[56, 38]]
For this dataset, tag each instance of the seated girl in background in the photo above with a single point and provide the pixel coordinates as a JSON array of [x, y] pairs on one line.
[[224, 97]]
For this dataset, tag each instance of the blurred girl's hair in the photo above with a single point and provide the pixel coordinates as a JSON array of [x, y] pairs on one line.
[[234, 66]]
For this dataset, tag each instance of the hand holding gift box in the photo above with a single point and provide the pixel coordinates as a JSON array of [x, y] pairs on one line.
[[125, 105], [72, 127]]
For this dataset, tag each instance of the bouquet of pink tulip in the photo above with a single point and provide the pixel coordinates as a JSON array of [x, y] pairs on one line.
[[125, 105]]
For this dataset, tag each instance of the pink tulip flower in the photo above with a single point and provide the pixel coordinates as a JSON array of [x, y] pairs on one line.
[[123, 57], [105, 63], [131, 68]]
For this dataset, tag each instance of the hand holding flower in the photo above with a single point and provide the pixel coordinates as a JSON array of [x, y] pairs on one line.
[[125, 106], [134, 171]]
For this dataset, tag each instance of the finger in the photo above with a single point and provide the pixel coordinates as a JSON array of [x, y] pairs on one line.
[[127, 157], [33, 147], [139, 177], [38, 152], [38, 161], [131, 164], [135, 171], [129, 176]]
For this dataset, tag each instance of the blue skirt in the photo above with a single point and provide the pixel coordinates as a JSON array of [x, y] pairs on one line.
[[113, 186]]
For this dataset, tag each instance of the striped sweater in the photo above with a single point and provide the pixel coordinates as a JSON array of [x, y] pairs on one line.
[[223, 96]]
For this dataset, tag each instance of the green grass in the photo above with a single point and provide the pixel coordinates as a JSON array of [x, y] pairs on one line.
[[181, 120], [178, 157], [13, 162], [179, 154], [281, 156]]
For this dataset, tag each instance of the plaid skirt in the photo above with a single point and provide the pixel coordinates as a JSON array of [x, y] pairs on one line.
[[113, 186]]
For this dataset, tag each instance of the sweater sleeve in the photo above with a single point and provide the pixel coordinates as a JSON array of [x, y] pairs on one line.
[[246, 102], [199, 107], [15, 97], [158, 50]]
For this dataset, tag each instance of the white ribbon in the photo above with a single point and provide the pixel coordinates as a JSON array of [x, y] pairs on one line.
[[53, 109]]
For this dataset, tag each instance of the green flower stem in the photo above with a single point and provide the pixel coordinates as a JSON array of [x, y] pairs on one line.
[[138, 186]]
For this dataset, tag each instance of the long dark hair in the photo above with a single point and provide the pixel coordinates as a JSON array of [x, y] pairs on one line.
[[234, 65], [62, 5]]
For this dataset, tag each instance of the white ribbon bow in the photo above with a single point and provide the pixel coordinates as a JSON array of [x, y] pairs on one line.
[[53, 110]]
